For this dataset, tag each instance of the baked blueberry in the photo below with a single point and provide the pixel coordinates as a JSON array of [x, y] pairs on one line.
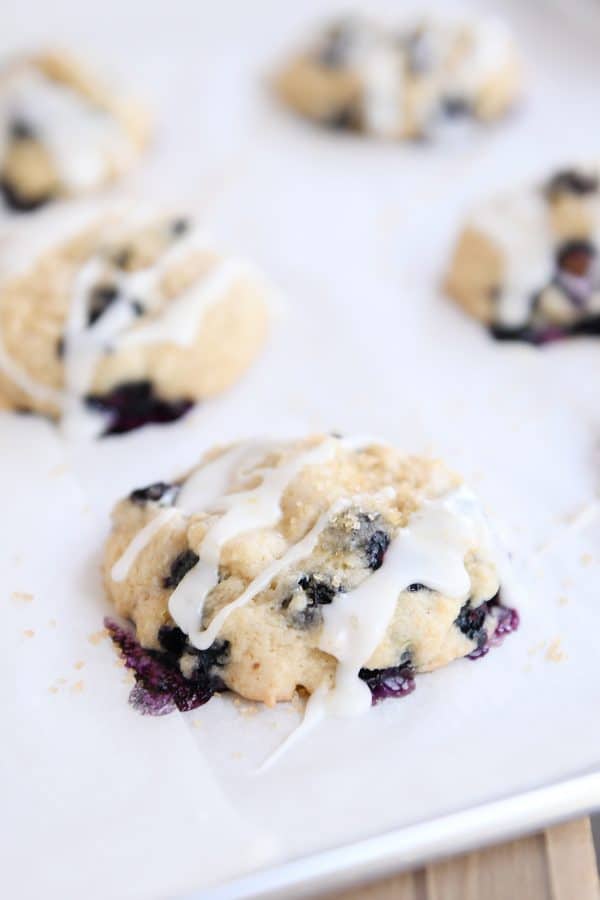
[[102, 296], [20, 202], [393, 681], [19, 130], [576, 257], [471, 621], [134, 404], [160, 687], [160, 490], [376, 547], [180, 566], [572, 181]]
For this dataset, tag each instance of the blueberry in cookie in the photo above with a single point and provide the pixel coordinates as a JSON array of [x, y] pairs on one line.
[[338, 567], [128, 322]]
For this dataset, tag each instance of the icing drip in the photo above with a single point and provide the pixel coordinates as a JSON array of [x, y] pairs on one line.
[[430, 550], [303, 548], [259, 507], [490, 51], [85, 142], [382, 73], [180, 320], [204, 491], [452, 60], [86, 344], [121, 568], [518, 224]]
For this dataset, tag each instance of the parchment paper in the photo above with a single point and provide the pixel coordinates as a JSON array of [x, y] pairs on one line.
[[100, 802]]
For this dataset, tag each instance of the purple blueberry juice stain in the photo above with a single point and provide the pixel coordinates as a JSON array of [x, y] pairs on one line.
[[134, 404], [159, 688], [507, 621], [395, 681]]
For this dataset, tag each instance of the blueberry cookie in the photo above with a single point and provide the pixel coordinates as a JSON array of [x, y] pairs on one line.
[[340, 567], [126, 323], [62, 132], [526, 263], [407, 82]]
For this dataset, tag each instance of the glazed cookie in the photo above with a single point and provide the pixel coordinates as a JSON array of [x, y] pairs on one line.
[[526, 263], [62, 132], [406, 82], [334, 566], [128, 323]]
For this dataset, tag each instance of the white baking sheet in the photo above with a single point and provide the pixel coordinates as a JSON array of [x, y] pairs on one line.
[[103, 803]]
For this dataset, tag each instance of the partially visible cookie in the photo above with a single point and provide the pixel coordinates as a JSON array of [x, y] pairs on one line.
[[62, 131], [526, 262], [128, 322], [404, 82], [320, 564]]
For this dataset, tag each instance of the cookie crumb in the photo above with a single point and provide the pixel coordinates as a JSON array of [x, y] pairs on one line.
[[555, 653], [53, 690], [52, 623], [28, 632], [563, 600], [78, 687], [586, 559], [22, 596], [79, 664], [97, 636]]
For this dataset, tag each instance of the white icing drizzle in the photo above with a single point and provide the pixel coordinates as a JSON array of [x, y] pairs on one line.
[[121, 568], [382, 72], [431, 550], [85, 345], [518, 224], [298, 551], [490, 51], [85, 142], [259, 507], [381, 59], [180, 321]]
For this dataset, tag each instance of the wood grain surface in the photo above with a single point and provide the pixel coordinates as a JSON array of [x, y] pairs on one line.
[[558, 864]]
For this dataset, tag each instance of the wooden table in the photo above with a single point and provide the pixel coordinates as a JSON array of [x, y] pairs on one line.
[[558, 864]]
